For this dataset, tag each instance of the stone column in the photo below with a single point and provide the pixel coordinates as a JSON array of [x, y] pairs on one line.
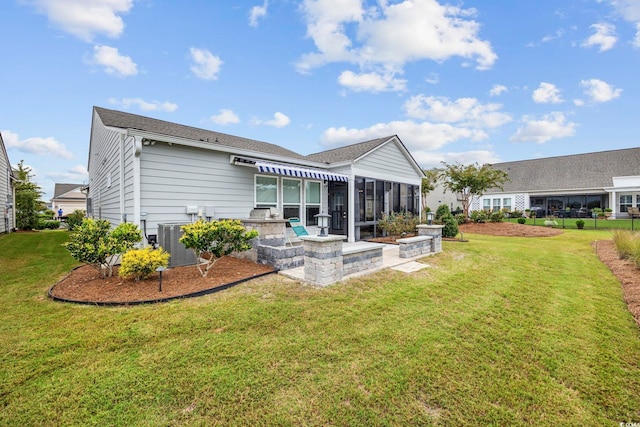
[[322, 259], [271, 232], [436, 232]]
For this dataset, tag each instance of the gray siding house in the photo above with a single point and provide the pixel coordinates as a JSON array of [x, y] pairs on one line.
[[565, 185], [69, 198], [7, 191], [153, 172]]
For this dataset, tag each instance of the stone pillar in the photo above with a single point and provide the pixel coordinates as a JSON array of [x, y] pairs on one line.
[[322, 259], [436, 232]]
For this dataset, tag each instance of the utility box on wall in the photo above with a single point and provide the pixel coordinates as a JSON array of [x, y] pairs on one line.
[[169, 239]]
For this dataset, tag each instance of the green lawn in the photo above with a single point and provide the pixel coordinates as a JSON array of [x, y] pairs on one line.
[[499, 331]]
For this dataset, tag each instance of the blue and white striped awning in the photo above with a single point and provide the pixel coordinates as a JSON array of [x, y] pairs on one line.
[[300, 172]]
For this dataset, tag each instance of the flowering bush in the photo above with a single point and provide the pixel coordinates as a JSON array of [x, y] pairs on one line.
[[93, 242], [140, 263], [215, 239], [394, 224]]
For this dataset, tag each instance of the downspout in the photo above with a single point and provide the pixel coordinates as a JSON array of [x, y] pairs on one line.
[[137, 151], [123, 214]]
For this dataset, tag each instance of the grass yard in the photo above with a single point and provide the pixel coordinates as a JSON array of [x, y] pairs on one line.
[[499, 331]]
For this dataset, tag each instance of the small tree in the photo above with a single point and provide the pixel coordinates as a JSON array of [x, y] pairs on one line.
[[427, 186], [95, 244], [74, 219], [27, 199], [211, 241], [471, 180]]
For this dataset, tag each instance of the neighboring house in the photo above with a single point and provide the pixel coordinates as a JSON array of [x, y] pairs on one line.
[[567, 185], [69, 198], [7, 191], [152, 172]]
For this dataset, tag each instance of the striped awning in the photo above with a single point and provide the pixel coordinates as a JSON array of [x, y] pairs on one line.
[[300, 172]]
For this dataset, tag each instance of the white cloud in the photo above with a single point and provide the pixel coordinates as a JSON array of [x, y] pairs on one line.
[[630, 11], [36, 145], [86, 18], [550, 126], [432, 78], [466, 112], [547, 93], [417, 136], [279, 120], [391, 34], [257, 12], [144, 105], [604, 37], [225, 117], [599, 91], [113, 63], [78, 174], [497, 90], [372, 82], [206, 65]]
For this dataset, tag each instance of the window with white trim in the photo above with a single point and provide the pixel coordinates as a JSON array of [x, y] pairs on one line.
[[486, 204], [312, 199], [266, 191], [626, 201], [496, 205], [291, 197], [506, 204]]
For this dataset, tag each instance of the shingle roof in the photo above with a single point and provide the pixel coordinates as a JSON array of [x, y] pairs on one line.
[[124, 120], [61, 189], [347, 153], [578, 171]]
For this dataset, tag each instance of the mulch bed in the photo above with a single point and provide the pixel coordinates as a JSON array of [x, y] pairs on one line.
[[84, 284]]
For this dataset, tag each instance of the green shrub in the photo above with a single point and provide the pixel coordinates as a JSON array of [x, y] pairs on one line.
[[496, 216], [396, 223], [450, 225], [580, 223], [74, 219], [461, 218], [442, 210], [479, 216], [521, 220], [48, 225], [140, 263], [95, 244], [213, 240]]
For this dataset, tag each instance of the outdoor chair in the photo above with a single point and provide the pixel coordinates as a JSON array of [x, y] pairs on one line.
[[297, 228]]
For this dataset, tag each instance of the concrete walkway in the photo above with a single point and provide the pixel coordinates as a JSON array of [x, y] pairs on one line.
[[390, 259]]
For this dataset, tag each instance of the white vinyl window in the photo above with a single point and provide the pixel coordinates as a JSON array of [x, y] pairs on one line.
[[291, 197], [312, 198], [266, 191], [506, 204], [486, 204], [626, 201], [496, 205]]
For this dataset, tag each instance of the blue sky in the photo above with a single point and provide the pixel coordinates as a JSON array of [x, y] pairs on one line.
[[462, 81]]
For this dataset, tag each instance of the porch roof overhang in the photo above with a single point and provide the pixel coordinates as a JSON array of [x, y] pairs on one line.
[[291, 170]]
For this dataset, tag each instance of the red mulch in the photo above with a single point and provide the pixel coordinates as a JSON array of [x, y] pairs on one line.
[[84, 283]]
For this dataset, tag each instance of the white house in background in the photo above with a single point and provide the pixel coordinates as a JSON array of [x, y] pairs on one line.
[[152, 172], [69, 198], [7, 191], [564, 185]]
